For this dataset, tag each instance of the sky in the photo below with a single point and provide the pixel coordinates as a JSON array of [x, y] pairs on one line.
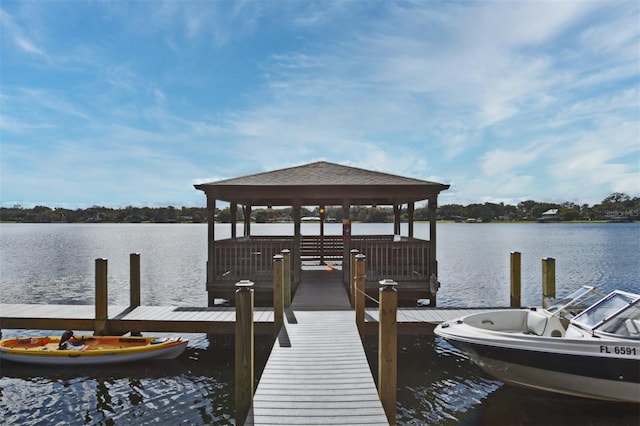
[[132, 103]]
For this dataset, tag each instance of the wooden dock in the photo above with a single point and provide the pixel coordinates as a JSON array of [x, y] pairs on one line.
[[178, 319], [320, 291], [317, 372]]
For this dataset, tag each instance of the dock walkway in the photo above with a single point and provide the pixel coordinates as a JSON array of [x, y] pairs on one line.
[[317, 372]]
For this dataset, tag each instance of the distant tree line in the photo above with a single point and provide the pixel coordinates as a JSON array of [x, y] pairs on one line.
[[616, 207]]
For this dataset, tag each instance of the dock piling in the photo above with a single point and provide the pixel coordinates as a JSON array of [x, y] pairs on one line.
[[548, 281], [278, 295], [101, 298], [244, 350], [286, 276], [516, 279], [360, 277], [352, 276], [134, 280], [387, 348]]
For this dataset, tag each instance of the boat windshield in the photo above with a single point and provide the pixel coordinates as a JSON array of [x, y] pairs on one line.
[[576, 302], [618, 314]]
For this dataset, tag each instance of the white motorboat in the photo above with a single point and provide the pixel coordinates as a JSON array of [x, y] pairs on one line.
[[568, 348]]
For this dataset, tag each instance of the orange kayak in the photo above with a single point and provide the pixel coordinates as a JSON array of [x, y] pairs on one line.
[[87, 350]]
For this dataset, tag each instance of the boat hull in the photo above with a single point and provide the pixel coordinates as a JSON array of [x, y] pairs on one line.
[[526, 348], [590, 377], [97, 350]]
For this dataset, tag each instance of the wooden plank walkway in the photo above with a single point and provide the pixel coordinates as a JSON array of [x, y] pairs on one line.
[[317, 372], [211, 320], [214, 320]]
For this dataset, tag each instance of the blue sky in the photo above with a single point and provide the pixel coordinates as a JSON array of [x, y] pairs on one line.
[[131, 103]]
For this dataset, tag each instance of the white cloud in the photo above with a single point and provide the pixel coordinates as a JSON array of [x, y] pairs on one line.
[[503, 99], [499, 161], [14, 32]]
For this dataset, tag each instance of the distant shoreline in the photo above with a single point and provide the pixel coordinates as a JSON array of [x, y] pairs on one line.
[[494, 222]]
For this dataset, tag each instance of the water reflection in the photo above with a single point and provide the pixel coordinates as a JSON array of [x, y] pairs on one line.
[[194, 389], [437, 384]]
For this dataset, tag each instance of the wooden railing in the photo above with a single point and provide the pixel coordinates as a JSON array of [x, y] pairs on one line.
[[247, 258], [400, 259]]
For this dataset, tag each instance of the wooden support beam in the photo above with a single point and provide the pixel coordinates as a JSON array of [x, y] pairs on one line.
[[346, 237], [361, 271], [286, 276], [134, 280], [387, 348], [396, 218], [352, 276], [233, 210], [411, 212], [516, 279], [101, 298], [548, 281], [278, 295], [247, 220], [297, 240], [211, 243], [244, 351]]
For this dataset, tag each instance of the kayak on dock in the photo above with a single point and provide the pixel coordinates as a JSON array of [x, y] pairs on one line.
[[88, 350]]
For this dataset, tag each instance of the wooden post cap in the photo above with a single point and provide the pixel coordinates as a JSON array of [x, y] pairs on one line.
[[244, 284], [277, 257], [387, 283], [360, 257], [285, 251], [354, 251]]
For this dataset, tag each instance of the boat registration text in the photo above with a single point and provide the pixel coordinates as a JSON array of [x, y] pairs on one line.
[[618, 350]]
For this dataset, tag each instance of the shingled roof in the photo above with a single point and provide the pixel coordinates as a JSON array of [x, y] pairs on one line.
[[321, 183]]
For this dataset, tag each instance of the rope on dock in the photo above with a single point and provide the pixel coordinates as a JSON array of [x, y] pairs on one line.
[[368, 297]]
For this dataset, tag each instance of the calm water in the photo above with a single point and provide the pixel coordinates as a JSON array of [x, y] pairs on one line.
[[437, 384]]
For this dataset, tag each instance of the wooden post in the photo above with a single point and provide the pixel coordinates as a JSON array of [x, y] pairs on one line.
[[387, 348], [244, 357], [346, 236], [548, 281], [134, 280], [433, 259], [297, 242], [278, 295], [286, 276], [360, 292], [211, 245], [352, 276], [101, 299], [411, 212], [516, 279], [234, 220], [321, 211]]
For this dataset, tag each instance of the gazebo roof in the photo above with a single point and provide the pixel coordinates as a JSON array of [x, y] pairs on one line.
[[322, 183]]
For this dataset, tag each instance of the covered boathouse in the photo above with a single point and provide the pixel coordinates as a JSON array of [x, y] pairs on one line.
[[409, 261]]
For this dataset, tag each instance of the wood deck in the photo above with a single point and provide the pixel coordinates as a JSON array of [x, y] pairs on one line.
[[213, 320], [317, 372]]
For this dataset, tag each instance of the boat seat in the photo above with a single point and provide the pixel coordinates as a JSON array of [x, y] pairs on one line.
[[536, 323], [633, 327]]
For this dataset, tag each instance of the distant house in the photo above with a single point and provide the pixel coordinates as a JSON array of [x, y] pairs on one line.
[[551, 214]]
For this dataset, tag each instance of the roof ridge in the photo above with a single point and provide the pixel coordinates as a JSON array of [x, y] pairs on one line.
[[314, 165]]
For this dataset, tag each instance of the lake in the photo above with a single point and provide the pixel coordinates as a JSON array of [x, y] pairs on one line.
[[54, 263]]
